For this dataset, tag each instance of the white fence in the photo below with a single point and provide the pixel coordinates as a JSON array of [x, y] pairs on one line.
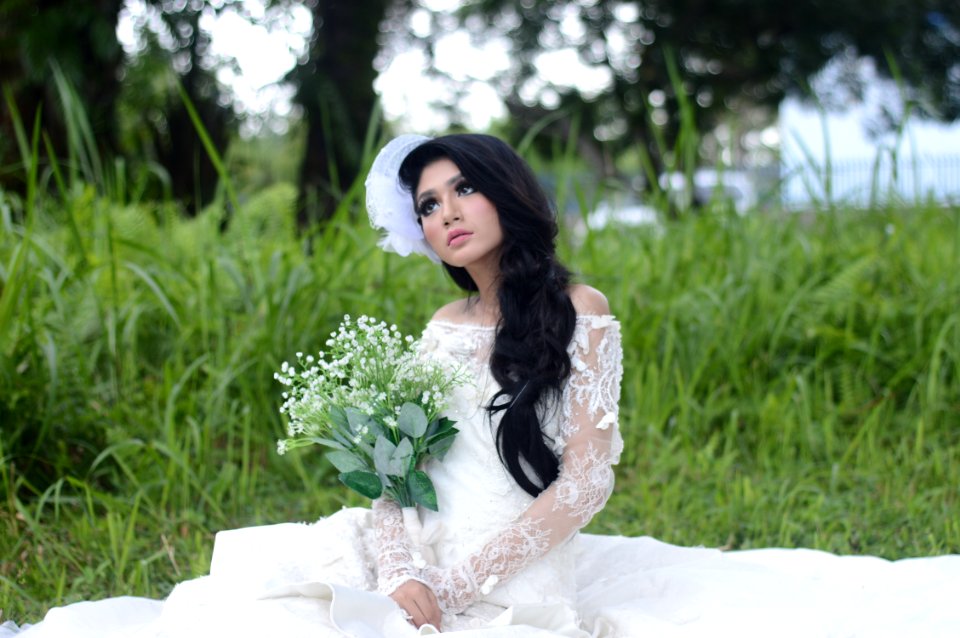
[[911, 179]]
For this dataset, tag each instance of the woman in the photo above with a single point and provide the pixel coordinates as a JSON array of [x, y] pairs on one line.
[[530, 466], [540, 416]]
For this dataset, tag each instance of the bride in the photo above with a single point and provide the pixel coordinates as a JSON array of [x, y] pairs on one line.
[[539, 419], [530, 467]]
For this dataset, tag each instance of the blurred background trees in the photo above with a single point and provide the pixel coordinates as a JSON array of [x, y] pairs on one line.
[[81, 38], [334, 87], [728, 59], [722, 65]]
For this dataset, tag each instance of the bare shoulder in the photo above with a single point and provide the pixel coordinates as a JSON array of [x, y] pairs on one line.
[[588, 301], [455, 312]]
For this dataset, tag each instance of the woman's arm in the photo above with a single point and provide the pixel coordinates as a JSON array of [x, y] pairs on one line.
[[399, 566], [592, 446], [396, 563], [398, 573]]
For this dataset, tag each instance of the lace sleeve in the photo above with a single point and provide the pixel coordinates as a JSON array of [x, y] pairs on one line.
[[396, 563], [592, 446]]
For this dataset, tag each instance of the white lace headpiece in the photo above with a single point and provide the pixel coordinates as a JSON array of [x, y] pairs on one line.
[[389, 206]]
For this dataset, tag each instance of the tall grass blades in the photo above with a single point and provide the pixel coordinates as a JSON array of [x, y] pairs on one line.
[[789, 380]]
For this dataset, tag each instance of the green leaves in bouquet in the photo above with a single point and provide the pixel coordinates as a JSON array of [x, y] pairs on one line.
[[421, 489], [363, 427], [412, 420], [365, 483], [339, 423], [338, 418], [346, 462], [440, 437], [335, 444], [390, 459]]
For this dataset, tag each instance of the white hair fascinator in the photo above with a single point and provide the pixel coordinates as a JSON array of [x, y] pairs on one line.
[[389, 206]]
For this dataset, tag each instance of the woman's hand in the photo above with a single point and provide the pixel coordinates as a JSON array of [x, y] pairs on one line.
[[419, 602]]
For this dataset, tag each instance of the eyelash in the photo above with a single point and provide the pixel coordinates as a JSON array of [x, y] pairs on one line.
[[423, 207]]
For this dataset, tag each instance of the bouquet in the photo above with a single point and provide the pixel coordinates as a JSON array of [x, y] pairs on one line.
[[376, 405]]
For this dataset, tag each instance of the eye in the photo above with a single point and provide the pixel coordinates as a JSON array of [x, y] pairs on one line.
[[426, 207], [463, 188]]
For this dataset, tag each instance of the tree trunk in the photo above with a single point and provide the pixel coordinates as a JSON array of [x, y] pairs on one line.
[[335, 90]]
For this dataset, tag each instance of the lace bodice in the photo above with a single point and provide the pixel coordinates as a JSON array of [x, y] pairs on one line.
[[488, 530]]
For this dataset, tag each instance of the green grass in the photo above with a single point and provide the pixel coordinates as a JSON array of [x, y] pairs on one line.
[[789, 380]]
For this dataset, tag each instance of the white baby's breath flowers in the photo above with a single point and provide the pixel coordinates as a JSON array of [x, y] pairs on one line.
[[368, 366]]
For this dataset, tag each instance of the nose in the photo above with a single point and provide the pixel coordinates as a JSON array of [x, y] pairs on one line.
[[451, 211]]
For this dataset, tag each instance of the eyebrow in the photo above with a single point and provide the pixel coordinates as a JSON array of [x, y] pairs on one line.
[[450, 182]]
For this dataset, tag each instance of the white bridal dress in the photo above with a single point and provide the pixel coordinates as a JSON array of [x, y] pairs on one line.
[[508, 565]]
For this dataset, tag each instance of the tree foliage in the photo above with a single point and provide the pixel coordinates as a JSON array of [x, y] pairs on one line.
[[133, 105], [136, 107], [171, 134], [728, 55], [80, 37]]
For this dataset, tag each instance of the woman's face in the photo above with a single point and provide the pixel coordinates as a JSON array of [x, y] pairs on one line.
[[460, 223]]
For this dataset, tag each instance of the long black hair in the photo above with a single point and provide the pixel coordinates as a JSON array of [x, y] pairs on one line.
[[537, 319]]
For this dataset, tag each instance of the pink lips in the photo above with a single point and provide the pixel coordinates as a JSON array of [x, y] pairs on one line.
[[457, 237]]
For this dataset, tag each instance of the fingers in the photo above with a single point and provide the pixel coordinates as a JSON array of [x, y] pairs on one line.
[[423, 608], [418, 603], [429, 607], [418, 617]]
